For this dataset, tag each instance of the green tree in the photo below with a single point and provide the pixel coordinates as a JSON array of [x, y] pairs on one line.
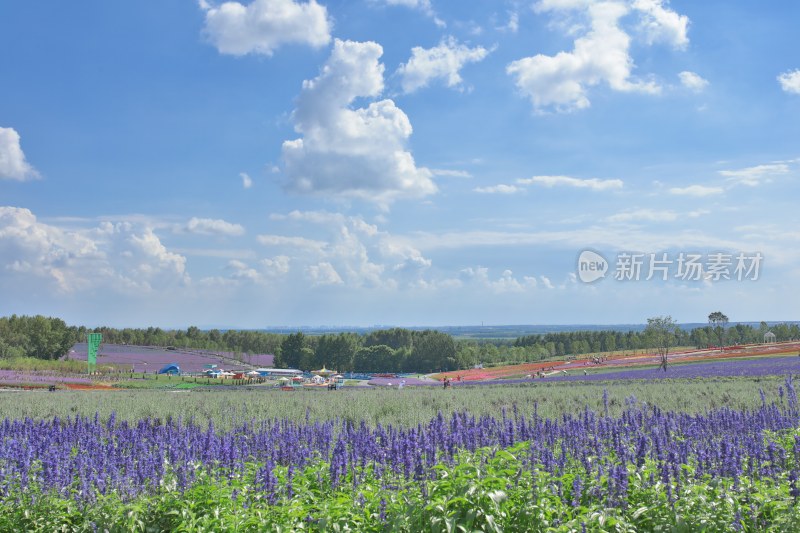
[[379, 359], [35, 336], [660, 332], [337, 351], [291, 351], [718, 321], [432, 350], [394, 338]]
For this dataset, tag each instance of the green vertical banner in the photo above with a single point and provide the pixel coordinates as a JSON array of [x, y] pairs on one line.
[[93, 341]]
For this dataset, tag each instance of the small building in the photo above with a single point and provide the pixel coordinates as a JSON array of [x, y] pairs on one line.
[[769, 338], [171, 369], [279, 372]]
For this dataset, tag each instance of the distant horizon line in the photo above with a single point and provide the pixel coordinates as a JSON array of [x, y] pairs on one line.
[[325, 327]]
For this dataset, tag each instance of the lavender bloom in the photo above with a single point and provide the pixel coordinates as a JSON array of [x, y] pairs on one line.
[[90, 457], [577, 490]]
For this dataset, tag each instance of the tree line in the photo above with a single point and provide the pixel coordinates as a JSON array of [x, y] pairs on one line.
[[381, 351], [582, 342]]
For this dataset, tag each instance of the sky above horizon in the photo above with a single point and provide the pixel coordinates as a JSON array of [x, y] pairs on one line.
[[399, 162]]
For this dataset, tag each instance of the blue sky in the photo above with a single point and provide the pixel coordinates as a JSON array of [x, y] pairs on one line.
[[405, 162]]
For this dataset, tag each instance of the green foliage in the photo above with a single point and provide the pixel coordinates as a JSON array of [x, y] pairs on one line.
[[35, 336], [336, 351], [292, 351], [31, 364], [432, 350], [395, 338], [661, 332], [490, 489], [718, 321]]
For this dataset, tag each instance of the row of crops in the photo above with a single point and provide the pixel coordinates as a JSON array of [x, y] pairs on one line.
[[633, 467]]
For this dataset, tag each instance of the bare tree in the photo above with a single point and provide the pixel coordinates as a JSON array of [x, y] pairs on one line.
[[718, 321], [660, 332]]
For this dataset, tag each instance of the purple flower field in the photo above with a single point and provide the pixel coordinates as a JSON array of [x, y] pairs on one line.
[[61, 455], [150, 359], [766, 366], [407, 382], [15, 377]]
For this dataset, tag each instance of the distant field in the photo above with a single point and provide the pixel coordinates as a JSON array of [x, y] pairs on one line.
[[151, 359], [228, 407]]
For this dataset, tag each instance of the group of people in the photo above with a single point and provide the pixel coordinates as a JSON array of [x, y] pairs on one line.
[[446, 382]]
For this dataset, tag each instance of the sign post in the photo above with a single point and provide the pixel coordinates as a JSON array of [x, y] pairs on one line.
[[93, 341]]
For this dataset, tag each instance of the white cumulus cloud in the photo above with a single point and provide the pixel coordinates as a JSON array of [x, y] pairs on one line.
[[116, 257], [264, 25], [13, 165], [790, 81], [359, 252], [266, 270], [661, 24], [693, 81], [507, 282], [567, 181], [601, 52], [444, 61], [323, 274], [359, 153]]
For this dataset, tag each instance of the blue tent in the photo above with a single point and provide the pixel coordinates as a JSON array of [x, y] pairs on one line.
[[171, 368]]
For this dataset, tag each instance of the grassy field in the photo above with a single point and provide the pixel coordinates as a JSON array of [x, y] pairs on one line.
[[228, 407]]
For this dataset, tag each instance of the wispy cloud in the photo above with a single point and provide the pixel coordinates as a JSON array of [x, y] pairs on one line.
[[757, 175], [654, 215], [566, 181], [450, 173], [209, 226], [696, 190], [247, 181], [292, 242], [498, 189]]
